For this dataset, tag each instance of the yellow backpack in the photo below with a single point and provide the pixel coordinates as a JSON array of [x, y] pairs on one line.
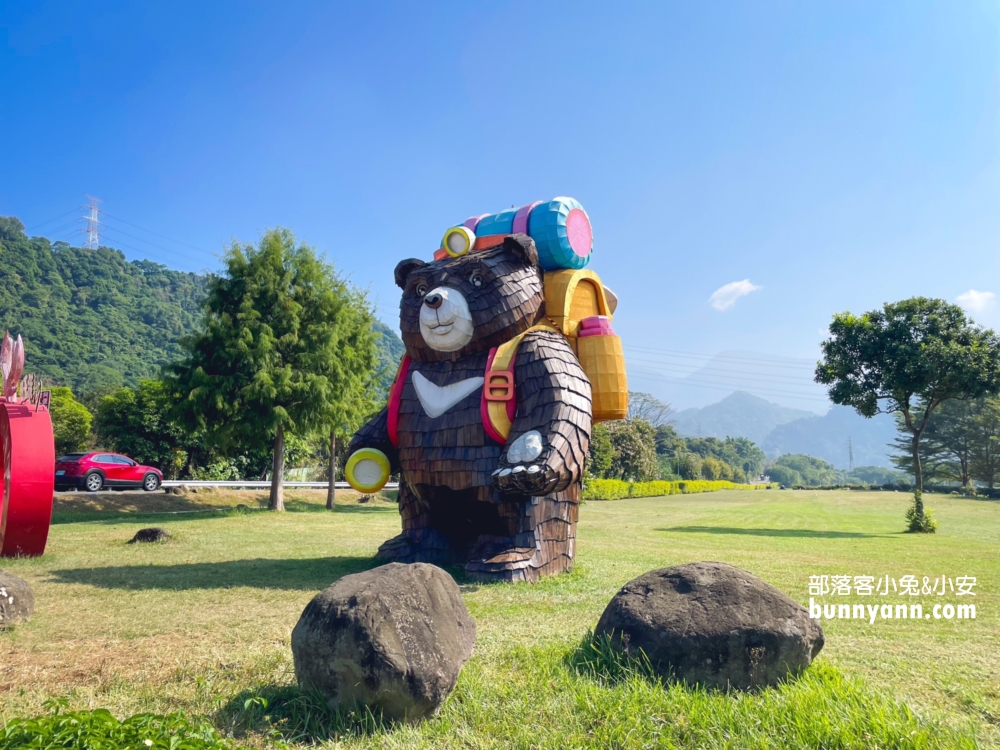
[[579, 307]]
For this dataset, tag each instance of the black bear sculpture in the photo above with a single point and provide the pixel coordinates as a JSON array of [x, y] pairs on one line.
[[507, 510]]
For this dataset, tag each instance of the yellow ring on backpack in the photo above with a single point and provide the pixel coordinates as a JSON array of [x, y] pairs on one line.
[[367, 470], [458, 241]]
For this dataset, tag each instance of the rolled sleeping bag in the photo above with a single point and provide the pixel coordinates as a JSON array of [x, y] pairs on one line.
[[560, 228]]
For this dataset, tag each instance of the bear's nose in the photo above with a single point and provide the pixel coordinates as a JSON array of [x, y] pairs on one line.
[[433, 301]]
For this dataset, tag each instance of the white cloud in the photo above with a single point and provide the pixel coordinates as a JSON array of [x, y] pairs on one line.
[[725, 296], [977, 302]]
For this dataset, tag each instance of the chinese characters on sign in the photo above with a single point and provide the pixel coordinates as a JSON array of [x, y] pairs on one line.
[[907, 585]]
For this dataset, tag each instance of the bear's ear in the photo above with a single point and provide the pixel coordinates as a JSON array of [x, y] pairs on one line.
[[523, 247], [405, 268]]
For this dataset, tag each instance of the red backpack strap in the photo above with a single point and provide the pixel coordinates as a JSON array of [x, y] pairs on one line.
[[395, 394]]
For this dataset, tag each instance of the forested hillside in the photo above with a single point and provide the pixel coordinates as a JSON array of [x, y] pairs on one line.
[[92, 320]]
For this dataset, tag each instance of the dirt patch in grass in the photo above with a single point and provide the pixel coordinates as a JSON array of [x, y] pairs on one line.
[[91, 662]]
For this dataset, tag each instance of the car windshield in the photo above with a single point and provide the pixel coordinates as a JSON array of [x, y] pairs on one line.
[[71, 457]]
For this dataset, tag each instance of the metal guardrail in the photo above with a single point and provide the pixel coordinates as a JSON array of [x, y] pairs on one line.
[[258, 485]]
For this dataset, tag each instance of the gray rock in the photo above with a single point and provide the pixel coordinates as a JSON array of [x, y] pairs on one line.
[[393, 638], [712, 624], [17, 600]]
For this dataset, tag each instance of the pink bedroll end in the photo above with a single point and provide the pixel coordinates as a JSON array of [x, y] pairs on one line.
[[596, 321], [597, 325], [579, 233]]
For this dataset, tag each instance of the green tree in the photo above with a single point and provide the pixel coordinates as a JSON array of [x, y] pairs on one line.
[[357, 384], [799, 468], [876, 475], [71, 421], [946, 446], [985, 460], [668, 442], [602, 453], [715, 470], [751, 458], [138, 422], [281, 348], [689, 466], [634, 444], [785, 476], [916, 350], [932, 464]]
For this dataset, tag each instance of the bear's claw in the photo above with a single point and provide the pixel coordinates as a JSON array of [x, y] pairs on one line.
[[533, 479]]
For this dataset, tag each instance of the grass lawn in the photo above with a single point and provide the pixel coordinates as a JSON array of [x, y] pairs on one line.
[[202, 623]]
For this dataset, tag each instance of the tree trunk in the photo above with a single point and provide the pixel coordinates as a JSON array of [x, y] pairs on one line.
[[331, 490], [277, 498], [918, 477]]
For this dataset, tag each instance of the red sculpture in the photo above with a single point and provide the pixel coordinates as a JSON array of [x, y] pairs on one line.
[[28, 450]]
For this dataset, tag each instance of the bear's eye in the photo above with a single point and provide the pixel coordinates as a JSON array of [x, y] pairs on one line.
[[420, 289], [476, 279]]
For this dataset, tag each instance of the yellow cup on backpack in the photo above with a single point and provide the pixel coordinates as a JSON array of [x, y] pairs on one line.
[[367, 470]]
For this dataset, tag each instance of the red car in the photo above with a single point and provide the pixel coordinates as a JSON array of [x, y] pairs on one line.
[[95, 471]]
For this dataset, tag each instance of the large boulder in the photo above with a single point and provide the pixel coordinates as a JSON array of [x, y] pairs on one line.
[[393, 638], [17, 600], [711, 624]]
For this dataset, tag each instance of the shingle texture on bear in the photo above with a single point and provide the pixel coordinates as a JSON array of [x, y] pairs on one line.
[[462, 497]]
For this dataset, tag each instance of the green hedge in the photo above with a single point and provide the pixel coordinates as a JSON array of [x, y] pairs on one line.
[[616, 489]]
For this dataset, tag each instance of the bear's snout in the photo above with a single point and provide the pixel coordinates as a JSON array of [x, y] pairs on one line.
[[445, 321]]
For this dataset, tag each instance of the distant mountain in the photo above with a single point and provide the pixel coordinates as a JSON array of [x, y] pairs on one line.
[[739, 414], [826, 438]]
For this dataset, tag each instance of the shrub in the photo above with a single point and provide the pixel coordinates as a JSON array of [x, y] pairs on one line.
[[605, 489], [917, 524], [99, 730], [689, 466], [616, 489], [714, 469]]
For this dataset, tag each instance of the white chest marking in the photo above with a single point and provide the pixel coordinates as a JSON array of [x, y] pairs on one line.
[[437, 399]]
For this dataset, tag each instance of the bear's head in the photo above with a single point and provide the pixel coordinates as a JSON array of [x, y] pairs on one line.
[[459, 306]]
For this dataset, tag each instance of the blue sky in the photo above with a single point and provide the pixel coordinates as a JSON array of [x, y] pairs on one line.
[[816, 156]]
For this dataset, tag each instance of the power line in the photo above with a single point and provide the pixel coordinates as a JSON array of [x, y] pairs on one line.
[[640, 374], [723, 372], [157, 234], [727, 358], [75, 224], [185, 253], [39, 226], [725, 378]]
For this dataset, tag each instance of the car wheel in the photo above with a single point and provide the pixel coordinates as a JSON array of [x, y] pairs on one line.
[[93, 482], [150, 482]]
